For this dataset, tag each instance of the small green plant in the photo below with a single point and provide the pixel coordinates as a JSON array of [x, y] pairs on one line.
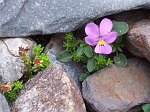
[[96, 58], [35, 63], [12, 90], [23, 52], [40, 60], [146, 107]]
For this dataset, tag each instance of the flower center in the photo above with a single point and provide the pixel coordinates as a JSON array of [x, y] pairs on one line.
[[101, 42]]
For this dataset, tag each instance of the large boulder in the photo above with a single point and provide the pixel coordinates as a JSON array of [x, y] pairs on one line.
[[32, 17], [115, 89], [50, 91], [11, 66], [3, 104]]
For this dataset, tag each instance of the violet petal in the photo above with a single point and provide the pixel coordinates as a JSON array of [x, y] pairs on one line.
[[105, 49], [111, 37], [92, 29], [91, 41], [105, 26]]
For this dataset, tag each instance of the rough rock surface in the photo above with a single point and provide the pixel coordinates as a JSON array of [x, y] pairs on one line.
[[32, 17], [3, 104], [115, 89], [137, 40], [50, 91], [54, 47], [11, 67]]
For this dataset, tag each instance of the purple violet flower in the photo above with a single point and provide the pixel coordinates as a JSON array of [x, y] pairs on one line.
[[100, 36]]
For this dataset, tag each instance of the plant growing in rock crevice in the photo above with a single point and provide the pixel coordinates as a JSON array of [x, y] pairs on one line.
[[12, 94], [108, 41], [32, 65], [37, 62], [11, 90]]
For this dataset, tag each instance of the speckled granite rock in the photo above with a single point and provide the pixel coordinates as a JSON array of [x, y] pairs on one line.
[[32, 17], [54, 47], [50, 91], [3, 104], [115, 89], [11, 67]]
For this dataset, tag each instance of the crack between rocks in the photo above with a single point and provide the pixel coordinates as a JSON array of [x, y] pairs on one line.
[[9, 50]]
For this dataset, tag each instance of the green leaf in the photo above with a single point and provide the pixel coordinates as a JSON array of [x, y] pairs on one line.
[[146, 107], [64, 56], [83, 76], [119, 49], [79, 51], [88, 51], [82, 43], [120, 60], [119, 39], [122, 45], [91, 64], [113, 48], [120, 27]]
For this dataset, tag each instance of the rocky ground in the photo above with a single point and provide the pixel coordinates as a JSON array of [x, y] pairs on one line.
[[57, 89]]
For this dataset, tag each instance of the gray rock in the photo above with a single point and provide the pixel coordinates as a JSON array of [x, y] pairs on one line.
[[54, 47], [32, 17], [3, 104], [115, 89], [11, 67], [51, 90]]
